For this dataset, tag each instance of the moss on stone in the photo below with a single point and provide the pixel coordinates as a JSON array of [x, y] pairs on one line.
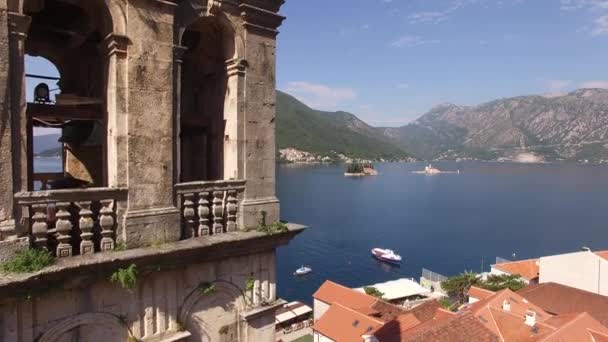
[[27, 261]]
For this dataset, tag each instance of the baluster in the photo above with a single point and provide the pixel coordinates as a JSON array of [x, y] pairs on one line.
[[203, 214], [64, 227], [40, 227], [86, 227], [231, 207], [106, 221], [189, 215], [218, 212]]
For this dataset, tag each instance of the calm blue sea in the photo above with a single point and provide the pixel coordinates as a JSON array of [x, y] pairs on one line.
[[446, 223]]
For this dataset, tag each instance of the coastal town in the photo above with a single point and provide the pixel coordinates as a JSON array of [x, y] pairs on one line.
[[551, 298]]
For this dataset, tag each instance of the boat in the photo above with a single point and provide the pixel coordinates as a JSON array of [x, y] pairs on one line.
[[430, 170], [386, 255], [303, 270]]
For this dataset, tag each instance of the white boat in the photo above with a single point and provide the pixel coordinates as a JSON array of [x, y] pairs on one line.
[[386, 255], [303, 270]]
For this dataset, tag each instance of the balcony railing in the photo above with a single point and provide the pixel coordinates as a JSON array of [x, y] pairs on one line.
[[209, 208], [74, 221]]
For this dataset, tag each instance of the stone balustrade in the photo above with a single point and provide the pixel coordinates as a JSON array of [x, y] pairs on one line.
[[209, 208], [73, 221]]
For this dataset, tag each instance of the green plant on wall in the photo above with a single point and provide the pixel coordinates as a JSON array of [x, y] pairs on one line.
[[372, 291], [207, 288], [29, 260], [125, 277], [249, 283]]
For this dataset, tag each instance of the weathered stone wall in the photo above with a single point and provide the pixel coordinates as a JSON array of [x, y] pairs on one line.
[[164, 303]]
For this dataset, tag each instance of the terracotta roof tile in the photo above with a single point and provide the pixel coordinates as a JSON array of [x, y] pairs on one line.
[[331, 292], [479, 293], [527, 269], [458, 328], [581, 327], [560, 299], [602, 254], [343, 324]]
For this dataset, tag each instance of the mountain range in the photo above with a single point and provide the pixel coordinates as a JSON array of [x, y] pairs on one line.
[[571, 126]]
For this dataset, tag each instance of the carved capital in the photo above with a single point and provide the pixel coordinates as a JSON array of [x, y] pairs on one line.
[[236, 66], [116, 44], [19, 24], [257, 18]]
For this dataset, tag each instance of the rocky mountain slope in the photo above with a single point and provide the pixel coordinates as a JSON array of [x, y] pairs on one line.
[[572, 127], [330, 134]]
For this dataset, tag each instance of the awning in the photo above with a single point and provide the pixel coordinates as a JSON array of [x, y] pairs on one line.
[[291, 311]]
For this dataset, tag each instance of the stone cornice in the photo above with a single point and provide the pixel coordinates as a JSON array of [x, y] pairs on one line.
[[261, 19], [91, 268], [116, 44], [236, 67], [268, 5]]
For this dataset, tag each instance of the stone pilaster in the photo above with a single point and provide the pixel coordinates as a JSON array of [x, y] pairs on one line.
[[260, 26], [151, 215]]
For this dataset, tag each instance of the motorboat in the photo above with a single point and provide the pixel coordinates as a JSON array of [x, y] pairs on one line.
[[303, 270], [386, 255]]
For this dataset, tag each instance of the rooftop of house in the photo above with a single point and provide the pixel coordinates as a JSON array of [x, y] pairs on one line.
[[559, 299], [400, 288], [479, 293], [498, 316], [528, 269], [512, 317]]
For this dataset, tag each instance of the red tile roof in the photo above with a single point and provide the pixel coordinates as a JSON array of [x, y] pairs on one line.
[[560, 299], [479, 293], [458, 328], [343, 324], [602, 254], [510, 325], [331, 292], [527, 269]]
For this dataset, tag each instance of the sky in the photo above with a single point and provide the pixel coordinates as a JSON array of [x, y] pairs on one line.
[[390, 61]]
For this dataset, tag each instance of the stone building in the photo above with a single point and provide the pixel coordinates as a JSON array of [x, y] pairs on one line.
[[167, 111]]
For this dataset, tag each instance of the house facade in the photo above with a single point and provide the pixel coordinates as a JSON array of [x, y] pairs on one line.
[[167, 112]]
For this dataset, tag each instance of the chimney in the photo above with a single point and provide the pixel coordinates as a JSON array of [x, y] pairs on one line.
[[506, 305], [530, 318]]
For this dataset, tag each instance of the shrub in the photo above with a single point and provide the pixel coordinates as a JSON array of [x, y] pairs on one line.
[[207, 288], [249, 283], [27, 261], [372, 291], [125, 277]]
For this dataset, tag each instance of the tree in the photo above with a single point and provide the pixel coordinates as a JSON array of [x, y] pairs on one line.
[[372, 291], [504, 281], [458, 286]]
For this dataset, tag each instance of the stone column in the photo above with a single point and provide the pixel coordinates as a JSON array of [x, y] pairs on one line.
[[7, 222], [151, 215], [260, 45], [13, 123], [178, 54], [234, 115], [117, 109], [13, 137]]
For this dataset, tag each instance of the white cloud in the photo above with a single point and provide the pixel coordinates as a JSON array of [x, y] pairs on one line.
[[568, 5], [595, 84], [320, 96], [601, 26], [556, 86], [411, 41]]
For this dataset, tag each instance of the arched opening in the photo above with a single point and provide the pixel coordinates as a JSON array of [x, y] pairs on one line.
[[43, 75], [69, 34], [204, 86]]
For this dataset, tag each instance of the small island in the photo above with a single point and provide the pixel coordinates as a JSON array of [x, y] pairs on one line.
[[360, 170]]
